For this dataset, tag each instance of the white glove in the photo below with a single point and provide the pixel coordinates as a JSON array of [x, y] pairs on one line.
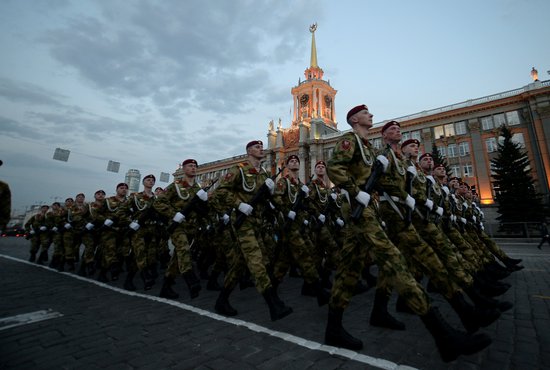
[[463, 220], [67, 226], [474, 218], [430, 204], [384, 161], [306, 222], [246, 208], [453, 218], [412, 170], [291, 215], [225, 218], [202, 195], [340, 222], [474, 205], [271, 206], [305, 189], [270, 185], [54, 229], [410, 202], [439, 211], [363, 198], [31, 232], [108, 222], [89, 226], [431, 178], [482, 227], [482, 214], [178, 217], [43, 228], [465, 205], [383, 224], [333, 196], [445, 189], [322, 218], [134, 225]]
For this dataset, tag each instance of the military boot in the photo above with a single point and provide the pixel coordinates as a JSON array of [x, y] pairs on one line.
[[129, 281], [486, 302], [380, 316], [472, 317], [43, 257], [32, 258], [452, 343], [102, 277], [222, 304], [277, 308], [213, 284], [193, 283], [166, 291], [148, 281], [402, 306], [336, 335]]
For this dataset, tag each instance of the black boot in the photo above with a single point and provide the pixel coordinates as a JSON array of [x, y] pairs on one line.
[[115, 270], [246, 281], [102, 277], [490, 289], [153, 270], [222, 304], [486, 302], [380, 315], [472, 317], [324, 274], [193, 283], [213, 284], [315, 289], [90, 267], [361, 287], [54, 262], [402, 306], [277, 308], [129, 281], [43, 257], [166, 291], [32, 258], [369, 277], [148, 281], [512, 261], [336, 335], [61, 264]]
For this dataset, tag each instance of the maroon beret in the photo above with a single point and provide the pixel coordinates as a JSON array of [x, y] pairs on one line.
[[426, 155], [409, 141], [390, 124], [454, 178], [121, 184], [292, 156], [320, 162], [187, 161], [464, 183], [148, 177], [439, 165], [356, 109], [254, 142]]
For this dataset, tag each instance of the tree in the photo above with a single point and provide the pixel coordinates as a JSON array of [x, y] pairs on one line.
[[440, 159], [515, 188]]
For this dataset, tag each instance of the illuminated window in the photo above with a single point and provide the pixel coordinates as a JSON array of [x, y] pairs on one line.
[[450, 129], [438, 132], [460, 128]]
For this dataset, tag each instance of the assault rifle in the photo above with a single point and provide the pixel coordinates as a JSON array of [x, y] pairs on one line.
[[409, 189], [368, 187], [429, 187], [192, 205], [259, 197]]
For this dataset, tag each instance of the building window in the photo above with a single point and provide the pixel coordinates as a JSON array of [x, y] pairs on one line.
[[491, 145], [512, 118], [450, 130], [438, 132], [460, 128], [416, 135], [518, 139], [499, 119], [487, 123], [442, 151], [451, 151], [377, 143], [455, 171], [468, 170], [405, 136], [464, 149]]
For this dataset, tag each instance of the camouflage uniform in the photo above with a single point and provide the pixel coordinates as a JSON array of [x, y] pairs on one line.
[[5, 205], [74, 233]]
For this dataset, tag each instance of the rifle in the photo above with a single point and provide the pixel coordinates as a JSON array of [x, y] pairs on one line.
[[409, 189], [440, 204], [260, 195], [189, 207], [368, 187], [429, 186]]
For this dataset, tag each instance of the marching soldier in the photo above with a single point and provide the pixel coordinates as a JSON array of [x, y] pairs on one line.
[[238, 189], [37, 227], [93, 248], [77, 212], [57, 216]]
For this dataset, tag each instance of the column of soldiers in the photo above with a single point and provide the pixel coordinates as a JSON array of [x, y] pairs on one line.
[[389, 208]]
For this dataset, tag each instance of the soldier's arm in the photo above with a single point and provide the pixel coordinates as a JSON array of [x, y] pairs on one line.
[[225, 193], [163, 204], [339, 164]]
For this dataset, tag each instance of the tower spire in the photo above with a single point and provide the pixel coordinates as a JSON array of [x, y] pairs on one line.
[[313, 63]]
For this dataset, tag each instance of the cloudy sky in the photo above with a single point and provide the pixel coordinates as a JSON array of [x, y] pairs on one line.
[[150, 83]]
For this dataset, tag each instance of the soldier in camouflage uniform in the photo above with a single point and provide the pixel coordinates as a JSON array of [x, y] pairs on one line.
[[296, 246], [349, 168], [57, 217], [39, 231], [73, 237], [138, 216], [237, 190], [91, 238], [175, 198]]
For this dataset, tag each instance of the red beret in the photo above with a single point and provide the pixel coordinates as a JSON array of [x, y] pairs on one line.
[[439, 165], [149, 177], [320, 162], [254, 142], [292, 156], [410, 141], [464, 183], [454, 178], [121, 184], [390, 124], [356, 109], [187, 161], [426, 155]]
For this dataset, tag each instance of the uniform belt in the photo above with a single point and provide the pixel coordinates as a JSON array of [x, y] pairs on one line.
[[392, 202]]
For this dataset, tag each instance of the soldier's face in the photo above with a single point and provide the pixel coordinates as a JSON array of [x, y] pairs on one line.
[[410, 150], [364, 118], [69, 202], [427, 163], [453, 184], [159, 191], [320, 170], [150, 182], [440, 171], [80, 198], [293, 164], [392, 134], [256, 151], [190, 169], [99, 196], [44, 209], [121, 191]]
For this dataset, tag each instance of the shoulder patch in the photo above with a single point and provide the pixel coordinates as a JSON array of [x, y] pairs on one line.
[[345, 145], [228, 176]]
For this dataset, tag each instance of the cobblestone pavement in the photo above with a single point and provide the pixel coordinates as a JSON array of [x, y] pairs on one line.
[[87, 325]]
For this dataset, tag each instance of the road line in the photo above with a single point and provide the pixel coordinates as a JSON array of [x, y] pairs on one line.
[[302, 342], [27, 318]]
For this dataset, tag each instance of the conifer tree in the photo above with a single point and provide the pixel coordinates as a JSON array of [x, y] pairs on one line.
[[516, 195], [440, 159]]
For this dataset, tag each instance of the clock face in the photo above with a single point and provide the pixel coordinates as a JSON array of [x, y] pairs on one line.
[[304, 99]]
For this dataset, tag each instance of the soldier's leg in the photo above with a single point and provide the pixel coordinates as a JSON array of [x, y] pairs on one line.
[[182, 257]]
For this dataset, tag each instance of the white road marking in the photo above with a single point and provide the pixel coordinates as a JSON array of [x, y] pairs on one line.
[[302, 342], [27, 318]]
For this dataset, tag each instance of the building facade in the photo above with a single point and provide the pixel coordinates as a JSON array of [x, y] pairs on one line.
[[133, 178], [466, 133]]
